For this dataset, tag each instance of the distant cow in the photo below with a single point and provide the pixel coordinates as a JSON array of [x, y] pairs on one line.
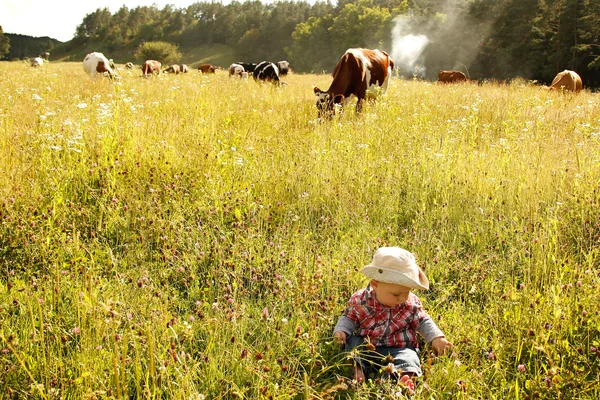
[[207, 69], [284, 67], [37, 62], [236, 70], [45, 55], [184, 68], [451, 76], [360, 72], [248, 67], [95, 63], [267, 72], [173, 69], [129, 65], [567, 80], [151, 67]]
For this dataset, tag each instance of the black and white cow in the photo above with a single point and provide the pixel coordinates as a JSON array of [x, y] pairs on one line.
[[267, 72], [248, 67]]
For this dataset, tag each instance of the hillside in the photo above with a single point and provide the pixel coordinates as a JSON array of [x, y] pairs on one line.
[[216, 54], [24, 46]]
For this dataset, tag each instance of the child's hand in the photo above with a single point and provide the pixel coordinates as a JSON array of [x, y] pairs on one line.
[[340, 337], [440, 345]]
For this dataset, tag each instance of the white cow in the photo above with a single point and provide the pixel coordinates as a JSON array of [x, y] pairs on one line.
[[37, 62], [235, 70], [96, 63]]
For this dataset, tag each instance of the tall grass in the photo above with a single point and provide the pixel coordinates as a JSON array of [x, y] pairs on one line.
[[197, 236]]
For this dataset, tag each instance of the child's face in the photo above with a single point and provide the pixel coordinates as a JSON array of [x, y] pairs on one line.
[[389, 294]]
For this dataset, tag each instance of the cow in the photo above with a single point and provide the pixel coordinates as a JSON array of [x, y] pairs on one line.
[[207, 68], [95, 63], [184, 68], [45, 55], [267, 72], [236, 70], [284, 67], [359, 72], [173, 69], [567, 80], [129, 65], [248, 67], [151, 67], [37, 62], [451, 76]]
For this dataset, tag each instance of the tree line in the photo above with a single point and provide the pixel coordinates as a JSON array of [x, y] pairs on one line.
[[486, 39]]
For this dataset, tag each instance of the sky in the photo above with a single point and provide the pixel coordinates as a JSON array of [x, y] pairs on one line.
[[58, 19]]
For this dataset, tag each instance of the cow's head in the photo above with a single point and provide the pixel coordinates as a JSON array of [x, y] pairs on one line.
[[326, 102]]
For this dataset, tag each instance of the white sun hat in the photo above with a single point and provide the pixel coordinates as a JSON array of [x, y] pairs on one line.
[[397, 266]]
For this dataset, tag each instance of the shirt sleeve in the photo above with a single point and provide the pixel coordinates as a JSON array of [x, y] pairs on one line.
[[348, 322], [345, 324], [424, 324]]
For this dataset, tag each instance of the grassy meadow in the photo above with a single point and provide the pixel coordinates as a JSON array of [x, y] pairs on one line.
[[197, 237]]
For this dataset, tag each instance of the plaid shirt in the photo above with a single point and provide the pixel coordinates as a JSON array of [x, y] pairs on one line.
[[386, 326]]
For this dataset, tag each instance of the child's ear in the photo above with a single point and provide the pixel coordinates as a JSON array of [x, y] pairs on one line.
[[374, 283]]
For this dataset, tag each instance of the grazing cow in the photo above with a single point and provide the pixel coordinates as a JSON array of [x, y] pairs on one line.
[[248, 67], [37, 62], [173, 69], [284, 67], [259, 67], [567, 80], [95, 63], [184, 68], [361, 73], [451, 76], [267, 72], [235, 70], [207, 68], [129, 65], [151, 67]]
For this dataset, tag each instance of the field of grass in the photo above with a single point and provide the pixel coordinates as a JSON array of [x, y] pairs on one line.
[[196, 237]]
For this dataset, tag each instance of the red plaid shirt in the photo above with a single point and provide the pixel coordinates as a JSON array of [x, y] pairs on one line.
[[386, 326]]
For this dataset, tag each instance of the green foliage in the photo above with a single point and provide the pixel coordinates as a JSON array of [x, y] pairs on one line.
[[501, 39], [166, 53], [4, 43]]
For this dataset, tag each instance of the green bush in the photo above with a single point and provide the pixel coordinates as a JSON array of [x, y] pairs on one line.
[[166, 53]]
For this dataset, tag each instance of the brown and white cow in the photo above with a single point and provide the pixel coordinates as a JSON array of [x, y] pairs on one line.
[[451, 76], [173, 69], [567, 80], [37, 62], [236, 70], [207, 68], [95, 63], [151, 67], [360, 72]]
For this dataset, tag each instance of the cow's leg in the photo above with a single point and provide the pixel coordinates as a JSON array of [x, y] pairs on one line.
[[359, 105]]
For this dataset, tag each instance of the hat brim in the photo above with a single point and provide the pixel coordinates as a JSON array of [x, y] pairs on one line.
[[394, 277]]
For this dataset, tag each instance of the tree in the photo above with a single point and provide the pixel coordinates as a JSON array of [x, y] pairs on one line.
[[166, 53], [4, 43]]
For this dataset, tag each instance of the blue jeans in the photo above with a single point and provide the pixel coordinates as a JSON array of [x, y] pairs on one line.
[[405, 359]]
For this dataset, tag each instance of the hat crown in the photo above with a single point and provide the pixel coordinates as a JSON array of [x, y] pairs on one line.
[[398, 266], [397, 259]]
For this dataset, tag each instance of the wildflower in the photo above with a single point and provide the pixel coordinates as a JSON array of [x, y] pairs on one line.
[[521, 368], [265, 313], [491, 356], [579, 284], [76, 331], [5, 351], [548, 325], [82, 105]]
